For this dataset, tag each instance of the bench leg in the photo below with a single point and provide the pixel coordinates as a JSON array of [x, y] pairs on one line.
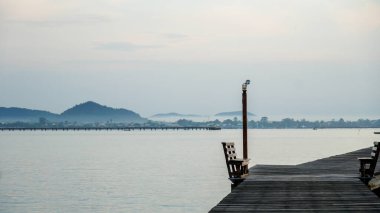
[[363, 170], [235, 184]]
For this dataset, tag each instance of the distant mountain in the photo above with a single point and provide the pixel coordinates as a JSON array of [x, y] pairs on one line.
[[174, 114], [234, 114], [94, 112], [12, 114], [88, 112]]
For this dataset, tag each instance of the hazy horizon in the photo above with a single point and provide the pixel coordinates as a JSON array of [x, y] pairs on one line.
[[211, 117], [313, 59]]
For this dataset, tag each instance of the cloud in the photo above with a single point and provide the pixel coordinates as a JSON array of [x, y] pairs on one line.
[[363, 18], [123, 46], [175, 36], [48, 13], [82, 19]]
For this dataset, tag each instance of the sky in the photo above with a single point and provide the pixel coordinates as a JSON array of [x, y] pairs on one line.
[[313, 59]]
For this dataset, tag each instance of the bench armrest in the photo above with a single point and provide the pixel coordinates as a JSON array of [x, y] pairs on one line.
[[239, 161], [363, 160], [243, 159]]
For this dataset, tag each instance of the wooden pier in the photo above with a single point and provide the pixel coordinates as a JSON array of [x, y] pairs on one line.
[[326, 185], [106, 128]]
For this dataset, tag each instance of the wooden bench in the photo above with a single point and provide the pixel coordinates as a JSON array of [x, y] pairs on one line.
[[368, 164], [237, 168]]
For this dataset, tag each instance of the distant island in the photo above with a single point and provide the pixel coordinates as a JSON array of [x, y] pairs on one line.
[[13, 114], [174, 114], [88, 112], [91, 114], [234, 114]]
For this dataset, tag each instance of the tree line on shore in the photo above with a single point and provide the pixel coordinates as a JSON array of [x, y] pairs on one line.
[[263, 123]]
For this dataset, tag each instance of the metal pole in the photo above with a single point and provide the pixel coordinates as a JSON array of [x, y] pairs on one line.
[[245, 126]]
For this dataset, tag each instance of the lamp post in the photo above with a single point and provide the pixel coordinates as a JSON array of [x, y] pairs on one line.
[[245, 126]]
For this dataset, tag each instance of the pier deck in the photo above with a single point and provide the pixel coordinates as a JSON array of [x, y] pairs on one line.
[[327, 185]]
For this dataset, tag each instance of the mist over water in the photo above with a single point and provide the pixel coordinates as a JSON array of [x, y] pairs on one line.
[[145, 171]]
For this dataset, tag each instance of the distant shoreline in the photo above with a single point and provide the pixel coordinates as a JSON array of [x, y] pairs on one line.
[[73, 129], [109, 128]]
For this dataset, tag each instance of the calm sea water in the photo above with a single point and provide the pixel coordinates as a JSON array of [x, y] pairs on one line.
[[145, 171]]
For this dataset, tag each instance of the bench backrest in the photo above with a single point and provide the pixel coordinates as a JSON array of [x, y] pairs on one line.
[[229, 154], [229, 150], [374, 155]]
